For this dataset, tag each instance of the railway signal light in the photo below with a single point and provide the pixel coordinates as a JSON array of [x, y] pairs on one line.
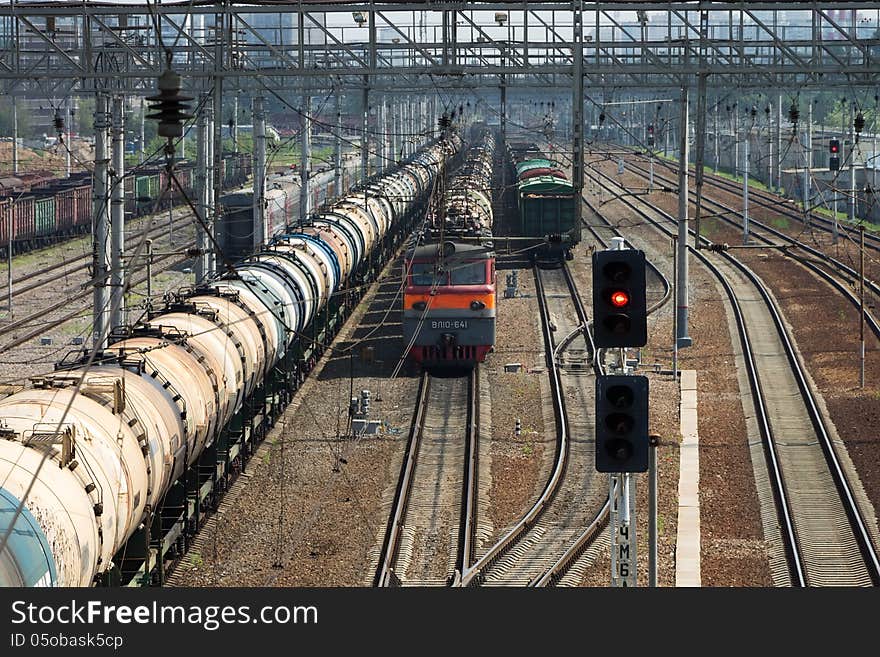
[[621, 423], [834, 159], [650, 134], [619, 305]]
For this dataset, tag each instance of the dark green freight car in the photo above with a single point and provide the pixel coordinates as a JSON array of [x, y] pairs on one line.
[[545, 203], [546, 208]]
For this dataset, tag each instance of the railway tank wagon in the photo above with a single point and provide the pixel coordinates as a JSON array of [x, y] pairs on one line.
[[449, 295], [105, 469]]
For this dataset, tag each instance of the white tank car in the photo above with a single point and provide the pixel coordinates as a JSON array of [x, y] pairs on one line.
[[80, 468]]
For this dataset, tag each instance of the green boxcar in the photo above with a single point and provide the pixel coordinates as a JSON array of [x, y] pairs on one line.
[[546, 207], [142, 189], [45, 215]]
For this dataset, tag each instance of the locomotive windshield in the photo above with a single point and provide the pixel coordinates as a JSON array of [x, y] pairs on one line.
[[460, 273], [468, 273], [423, 274]]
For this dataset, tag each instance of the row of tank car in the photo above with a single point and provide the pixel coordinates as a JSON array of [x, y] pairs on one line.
[[115, 461], [545, 200], [449, 298], [42, 208]]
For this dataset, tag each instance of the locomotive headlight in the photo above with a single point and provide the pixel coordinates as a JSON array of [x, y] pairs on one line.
[[419, 305], [477, 305]]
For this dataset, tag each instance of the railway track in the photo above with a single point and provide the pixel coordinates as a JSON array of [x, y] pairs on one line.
[[43, 325], [843, 278], [50, 274], [827, 540], [572, 497], [429, 538], [771, 202]]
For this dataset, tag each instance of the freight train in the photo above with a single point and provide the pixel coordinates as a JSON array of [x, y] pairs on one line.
[[106, 468], [449, 296], [545, 200], [43, 209], [236, 236]]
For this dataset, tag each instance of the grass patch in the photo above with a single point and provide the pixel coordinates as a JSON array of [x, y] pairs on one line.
[[780, 223]]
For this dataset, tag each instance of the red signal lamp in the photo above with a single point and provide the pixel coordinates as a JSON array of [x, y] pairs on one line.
[[619, 299]]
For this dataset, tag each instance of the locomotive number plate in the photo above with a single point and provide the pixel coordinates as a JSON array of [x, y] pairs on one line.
[[445, 324]]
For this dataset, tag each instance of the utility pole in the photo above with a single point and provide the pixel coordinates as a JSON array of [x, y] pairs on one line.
[[305, 198], [808, 156], [701, 127], [14, 135], [101, 226], [67, 143], [217, 164], [365, 162], [852, 165], [143, 145], [337, 148], [395, 130], [667, 131], [735, 129], [203, 190], [577, 112], [681, 284], [259, 120], [117, 217], [382, 135], [779, 144], [746, 186], [717, 137], [234, 130], [862, 305]]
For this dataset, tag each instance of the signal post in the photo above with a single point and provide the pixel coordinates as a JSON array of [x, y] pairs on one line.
[[622, 443]]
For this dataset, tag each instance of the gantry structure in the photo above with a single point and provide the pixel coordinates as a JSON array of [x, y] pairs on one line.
[[576, 48], [56, 47]]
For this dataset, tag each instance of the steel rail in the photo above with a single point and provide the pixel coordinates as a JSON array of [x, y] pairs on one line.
[[475, 574], [857, 522], [385, 573], [870, 319]]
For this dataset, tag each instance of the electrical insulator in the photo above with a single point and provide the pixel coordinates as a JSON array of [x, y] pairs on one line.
[[793, 113], [444, 121], [365, 402], [601, 117], [859, 123], [754, 111], [58, 122], [517, 427], [169, 108]]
